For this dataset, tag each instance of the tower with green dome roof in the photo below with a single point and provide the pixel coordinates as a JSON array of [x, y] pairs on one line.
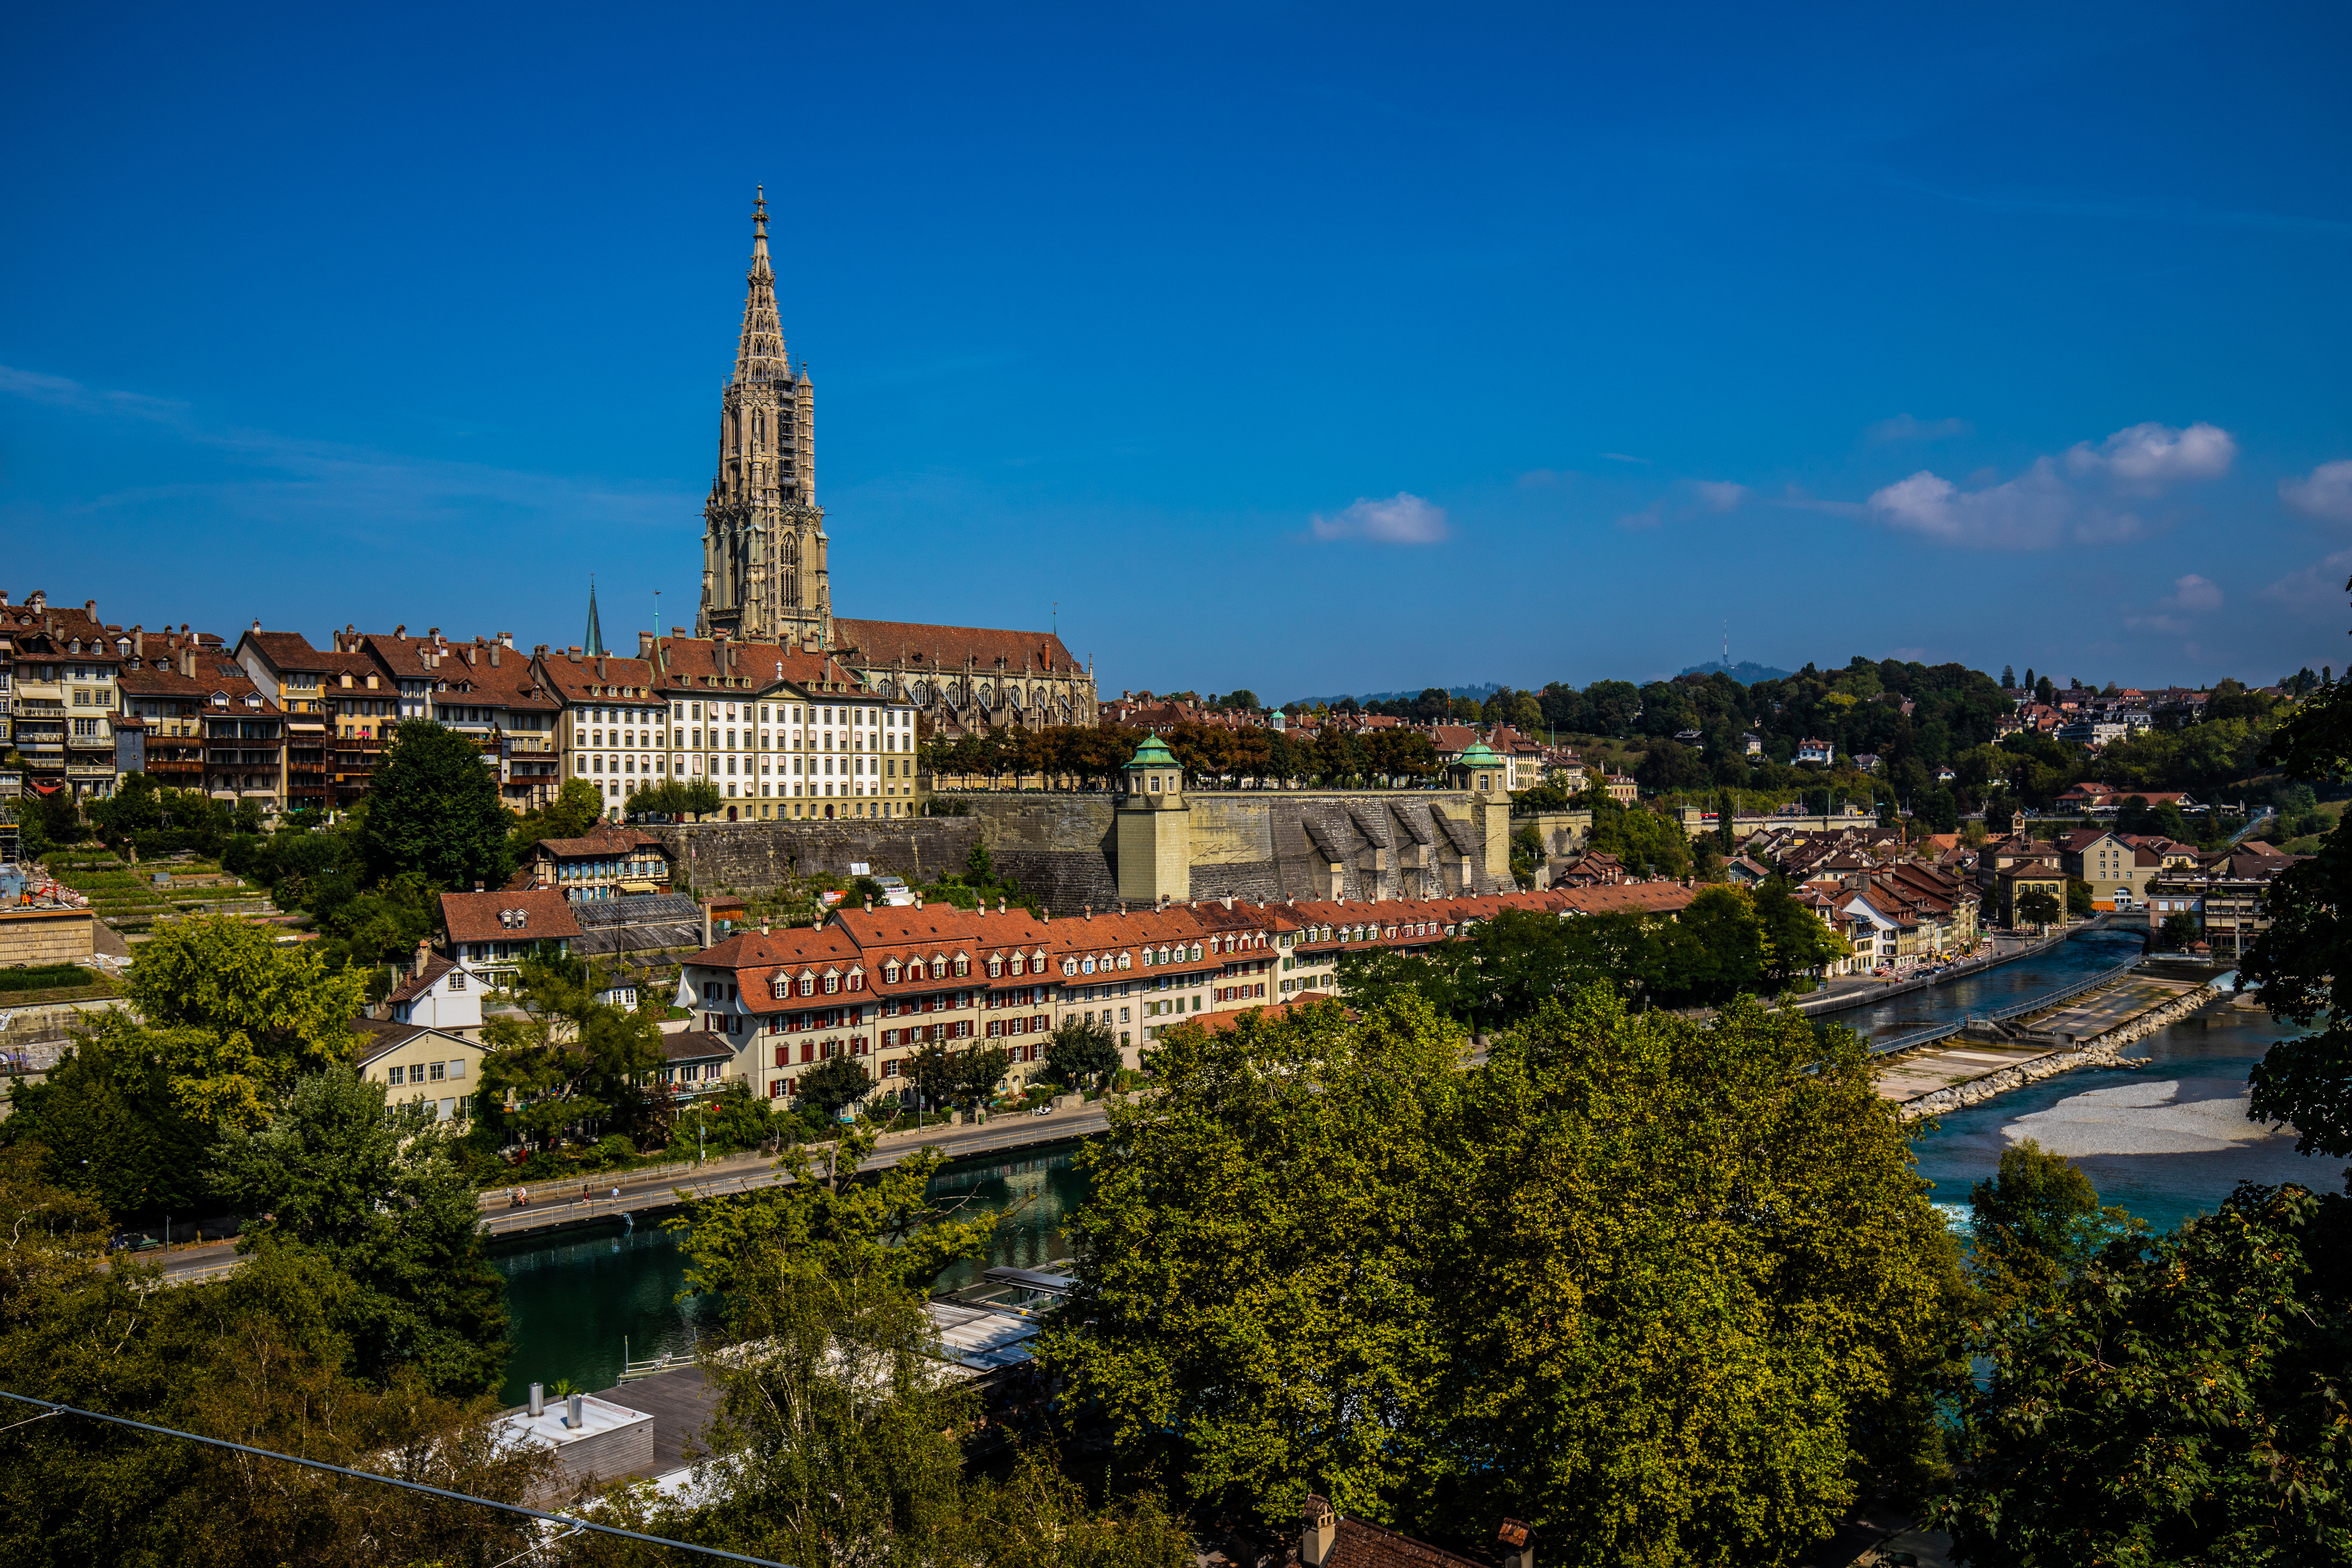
[[1153, 829]]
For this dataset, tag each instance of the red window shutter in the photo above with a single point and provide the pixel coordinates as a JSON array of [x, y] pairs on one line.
[[808, 1051], [782, 1054]]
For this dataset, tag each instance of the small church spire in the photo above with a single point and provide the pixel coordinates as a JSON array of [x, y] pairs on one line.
[[760, 356], [594, 644]]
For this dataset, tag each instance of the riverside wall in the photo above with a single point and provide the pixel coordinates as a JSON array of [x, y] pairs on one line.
[[1261, 846]]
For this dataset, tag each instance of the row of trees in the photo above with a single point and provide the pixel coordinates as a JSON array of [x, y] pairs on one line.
[[1727, 941], [1209, 754]]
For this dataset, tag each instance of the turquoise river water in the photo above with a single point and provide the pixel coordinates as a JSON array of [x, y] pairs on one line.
[[2166, 1141]]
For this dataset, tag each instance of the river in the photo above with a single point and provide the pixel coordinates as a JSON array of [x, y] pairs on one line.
[[2070, 961], [577, 1303], [2166, 1141]]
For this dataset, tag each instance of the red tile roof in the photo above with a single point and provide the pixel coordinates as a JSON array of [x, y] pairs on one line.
[[949, 647], [474, 917]]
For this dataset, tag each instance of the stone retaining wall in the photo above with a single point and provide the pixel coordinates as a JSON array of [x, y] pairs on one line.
[[2106, 1051]]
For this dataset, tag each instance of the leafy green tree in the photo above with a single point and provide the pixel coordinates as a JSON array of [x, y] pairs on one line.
[[843, 1445], [258, 1357], [1643, 839], [1796, 941], [2038, 907], [1669, 765], [830, 1084], [2180, 928], [1082, 1055], [434, 808], [384, 924], [374, 1193], [2176, 1403], [1627, 1278], [979, 1072], [235, 1018], [109, 1126], [1726, 944], [931, 1069], [671, 797], [1726, 823], [2035, 1225], [568, 1060]]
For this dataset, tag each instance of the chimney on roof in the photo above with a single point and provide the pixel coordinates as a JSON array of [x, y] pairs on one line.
[[478, 886], [645, 645], [400, 632], [138, 643], [424, 951], [918, 901], [1000, 903], [188, 661], [496, 649], [257, 623], [89, 608], [540, 650], [468, 654], [1089, 909], [600, 666], [1318, 1532]]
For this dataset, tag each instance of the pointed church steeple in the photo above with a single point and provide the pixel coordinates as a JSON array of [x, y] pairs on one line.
[[760, 356], [594, 644]]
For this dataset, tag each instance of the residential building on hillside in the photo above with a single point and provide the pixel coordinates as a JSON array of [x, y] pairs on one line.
[[2012, 882], [415, 1064], [2117, 870], [436, 993], [61, 665], [1621, 788], [489, 933], [1813, 750], [2226, 890], [607, 862], [284, 668]]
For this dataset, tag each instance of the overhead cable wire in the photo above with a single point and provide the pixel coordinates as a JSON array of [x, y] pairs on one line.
[[52, 1407]]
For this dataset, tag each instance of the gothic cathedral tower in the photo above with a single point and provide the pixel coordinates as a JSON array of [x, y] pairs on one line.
[[763, 571]]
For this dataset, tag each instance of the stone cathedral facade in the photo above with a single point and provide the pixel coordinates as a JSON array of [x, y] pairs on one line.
[[763, 572], [765, 579]]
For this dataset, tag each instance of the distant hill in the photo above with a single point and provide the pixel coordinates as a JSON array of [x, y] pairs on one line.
[[1744, 672]]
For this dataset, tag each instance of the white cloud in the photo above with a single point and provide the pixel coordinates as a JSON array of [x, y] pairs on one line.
[[1904, 427], [1720, 495], [1623, 457], [2033, 512], [2152, 455], [2043, 507], [1633, 521], [2321, 584], [2327, 492], [1403, 519], [2194, 593]]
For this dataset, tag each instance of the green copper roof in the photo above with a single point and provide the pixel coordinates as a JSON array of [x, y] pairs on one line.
[[1151, 755], [1480, 756]]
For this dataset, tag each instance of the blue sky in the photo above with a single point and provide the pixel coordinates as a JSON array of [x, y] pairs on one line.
[[1312, 350]]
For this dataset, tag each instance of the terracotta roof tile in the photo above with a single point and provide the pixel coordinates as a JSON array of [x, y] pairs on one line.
[[474, 917]]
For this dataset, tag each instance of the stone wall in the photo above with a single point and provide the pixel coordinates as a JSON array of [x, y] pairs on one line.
[[1259, 845], [755, 857]]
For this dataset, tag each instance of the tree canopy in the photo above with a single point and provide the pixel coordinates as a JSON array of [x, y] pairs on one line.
[[433, 807], [374, 1193], [233, 1017], [1658, 1288]]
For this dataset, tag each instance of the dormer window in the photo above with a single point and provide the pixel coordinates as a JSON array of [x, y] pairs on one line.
[[833, 983], [1126, 960], [808, 984], [779, 988], [963, 965], [857, 980], [996, 966], [891, 973], [938, 969], [1017, 965]]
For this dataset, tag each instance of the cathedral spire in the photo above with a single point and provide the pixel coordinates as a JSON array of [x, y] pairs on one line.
[[595, 644], [760, 354]]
